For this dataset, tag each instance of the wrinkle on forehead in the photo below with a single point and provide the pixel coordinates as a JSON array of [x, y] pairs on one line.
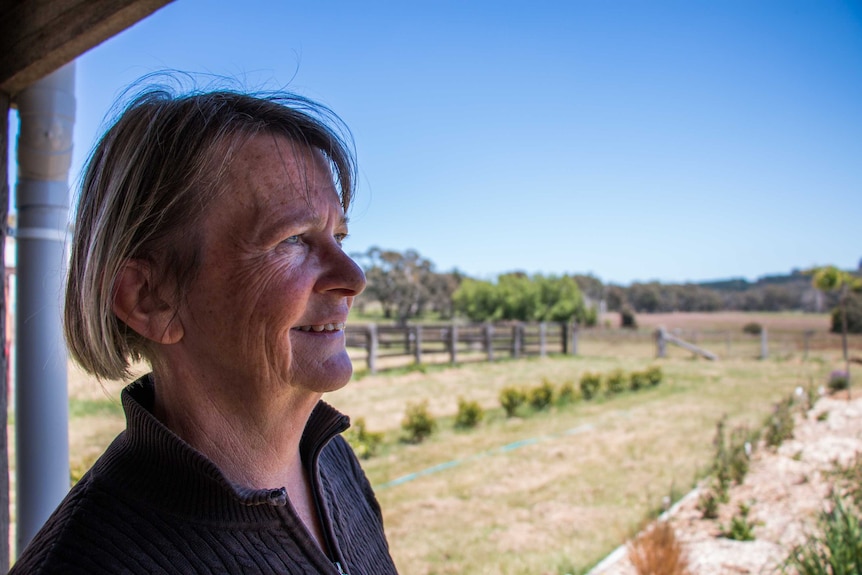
[[261, 192]]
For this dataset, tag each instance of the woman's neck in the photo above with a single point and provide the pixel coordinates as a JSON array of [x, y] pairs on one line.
[[254, 444]]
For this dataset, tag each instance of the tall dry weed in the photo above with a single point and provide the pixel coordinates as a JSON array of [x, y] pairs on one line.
[[657, 551]]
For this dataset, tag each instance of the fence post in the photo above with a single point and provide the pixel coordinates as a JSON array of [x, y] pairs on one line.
[[516, 340], [764, 344], [542, 336], [574, 338], [727, 344], [660, 342], [806, 342], [417, 339], [371, 347], [489, 341], [564, 336], [453, 343]]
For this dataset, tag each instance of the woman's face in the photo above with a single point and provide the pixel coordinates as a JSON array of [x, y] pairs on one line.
[[267, 309]]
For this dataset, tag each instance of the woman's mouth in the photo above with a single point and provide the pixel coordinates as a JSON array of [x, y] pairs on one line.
[[322, 327]]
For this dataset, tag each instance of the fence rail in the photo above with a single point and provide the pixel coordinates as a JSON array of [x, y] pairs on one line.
[[388, 344], [457, 343]]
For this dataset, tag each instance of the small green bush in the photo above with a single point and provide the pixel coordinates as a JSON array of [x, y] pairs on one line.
[[654, 375], [836, 550], [850, 478], [740, 528], [708, 503], [542, 396], [627, 318], [364, 443], [720, 470], [590, 384], [739, 454], [732, 456], [469, 415], [638, 380], [752, 328], [779, 425], [838, 381], [615, 382], [567, 393], [418, 422], [511, 398]]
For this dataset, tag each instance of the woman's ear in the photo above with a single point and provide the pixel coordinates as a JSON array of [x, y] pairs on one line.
[[137, 303]]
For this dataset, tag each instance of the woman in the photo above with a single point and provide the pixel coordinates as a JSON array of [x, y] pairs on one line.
[[208, 242]]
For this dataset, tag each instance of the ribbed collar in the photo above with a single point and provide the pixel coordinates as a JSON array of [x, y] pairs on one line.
[[153, 465]]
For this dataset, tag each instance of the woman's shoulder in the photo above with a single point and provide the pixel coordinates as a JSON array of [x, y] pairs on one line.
[[67, 541]]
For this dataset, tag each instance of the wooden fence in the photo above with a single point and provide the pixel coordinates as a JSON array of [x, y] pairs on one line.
[[459, 343], [734, 344], [386, 345]]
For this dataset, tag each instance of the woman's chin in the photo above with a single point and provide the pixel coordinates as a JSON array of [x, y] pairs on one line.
[[330, 375]]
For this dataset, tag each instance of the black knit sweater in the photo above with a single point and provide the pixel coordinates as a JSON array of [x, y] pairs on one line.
[[153, 504]]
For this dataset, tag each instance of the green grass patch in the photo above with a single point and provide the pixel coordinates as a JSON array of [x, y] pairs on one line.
[[94, 407]]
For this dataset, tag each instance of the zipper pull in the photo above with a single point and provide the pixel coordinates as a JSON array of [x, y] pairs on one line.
[[340, 570]]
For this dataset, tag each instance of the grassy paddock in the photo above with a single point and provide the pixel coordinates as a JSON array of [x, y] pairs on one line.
[[589, 472]]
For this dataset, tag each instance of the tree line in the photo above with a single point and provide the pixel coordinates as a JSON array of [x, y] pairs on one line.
[[406, 285]]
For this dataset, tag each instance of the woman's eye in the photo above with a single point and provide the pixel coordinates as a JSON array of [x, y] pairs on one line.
[[340, 238], [291, 240]]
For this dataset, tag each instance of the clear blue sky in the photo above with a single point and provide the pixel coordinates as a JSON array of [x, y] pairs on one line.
[[635, 140]]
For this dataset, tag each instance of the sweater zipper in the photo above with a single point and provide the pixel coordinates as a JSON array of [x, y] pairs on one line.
[[324, 520], [318, 503]]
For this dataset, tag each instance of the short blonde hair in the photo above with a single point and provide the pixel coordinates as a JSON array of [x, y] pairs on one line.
[[146, 186]]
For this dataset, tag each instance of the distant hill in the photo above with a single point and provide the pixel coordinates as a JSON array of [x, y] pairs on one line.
[[778, 292], [742, 284]]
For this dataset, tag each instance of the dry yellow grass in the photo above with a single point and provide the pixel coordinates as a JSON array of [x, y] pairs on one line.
[[584, 479]]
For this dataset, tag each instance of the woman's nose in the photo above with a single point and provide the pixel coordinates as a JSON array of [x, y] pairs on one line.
[[342, 274]]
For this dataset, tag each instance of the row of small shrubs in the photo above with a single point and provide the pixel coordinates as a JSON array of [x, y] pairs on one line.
[[418, 423], [617, 381], [538, 398]]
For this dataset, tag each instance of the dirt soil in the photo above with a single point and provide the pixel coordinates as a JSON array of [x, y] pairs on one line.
[[786, 488]]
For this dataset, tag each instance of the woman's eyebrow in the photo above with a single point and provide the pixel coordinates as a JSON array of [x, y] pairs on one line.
[[268, 228]]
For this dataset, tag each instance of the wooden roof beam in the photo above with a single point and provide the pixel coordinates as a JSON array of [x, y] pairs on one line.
[[39, 36]]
